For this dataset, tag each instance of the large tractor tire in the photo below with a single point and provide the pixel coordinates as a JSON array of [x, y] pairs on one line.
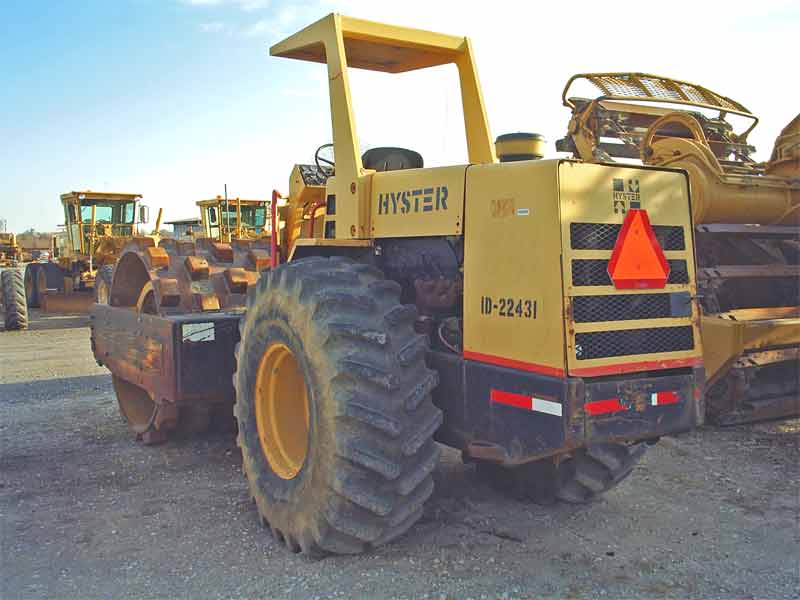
[[580, 478], [333, 405], [102, 284], [15, 306], [31, 284]]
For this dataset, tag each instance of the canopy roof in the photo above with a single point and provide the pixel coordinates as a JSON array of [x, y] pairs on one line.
[[110, 196], [374, 46], [230, 201]]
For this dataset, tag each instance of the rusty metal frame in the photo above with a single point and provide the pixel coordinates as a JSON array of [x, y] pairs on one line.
[[722, 103]]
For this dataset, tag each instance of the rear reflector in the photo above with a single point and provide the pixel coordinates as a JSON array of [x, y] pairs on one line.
[[601, 407], [662, 398], [638, 262], [531, 403]]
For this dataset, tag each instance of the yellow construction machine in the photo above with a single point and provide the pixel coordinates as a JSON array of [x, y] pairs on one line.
[[10, 252], [12, 289], [746, 219], [79, 272], [224, 219], [396, 305]]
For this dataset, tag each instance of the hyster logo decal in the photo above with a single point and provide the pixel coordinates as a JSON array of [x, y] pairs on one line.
[[413, 201], [626, 199]]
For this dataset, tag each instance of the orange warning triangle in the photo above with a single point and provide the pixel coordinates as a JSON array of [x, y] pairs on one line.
[[638, 262]]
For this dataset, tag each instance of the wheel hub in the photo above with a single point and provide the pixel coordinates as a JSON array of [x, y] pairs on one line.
[[282, 411]]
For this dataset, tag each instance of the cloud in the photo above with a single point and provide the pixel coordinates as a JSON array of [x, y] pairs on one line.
[[245, 5], [278, 25], [213, 27]]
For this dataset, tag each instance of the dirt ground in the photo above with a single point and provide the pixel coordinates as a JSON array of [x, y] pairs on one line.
[[88, 513]]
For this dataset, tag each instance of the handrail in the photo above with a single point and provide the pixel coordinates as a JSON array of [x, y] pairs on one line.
[[273, 246]]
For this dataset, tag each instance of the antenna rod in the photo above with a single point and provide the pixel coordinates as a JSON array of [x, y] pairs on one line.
[[227, 225]]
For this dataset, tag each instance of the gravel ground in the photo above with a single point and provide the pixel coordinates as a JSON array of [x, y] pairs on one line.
[[88, 513]]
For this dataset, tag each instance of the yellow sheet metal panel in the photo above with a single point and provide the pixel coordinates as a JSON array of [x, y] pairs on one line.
[[513, 313], [418, 202], [729, 335], [597, 197]]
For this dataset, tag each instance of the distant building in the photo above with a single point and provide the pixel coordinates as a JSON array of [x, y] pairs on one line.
[[181, 226]]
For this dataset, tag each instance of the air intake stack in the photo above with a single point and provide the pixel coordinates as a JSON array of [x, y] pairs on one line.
[[512, 147]]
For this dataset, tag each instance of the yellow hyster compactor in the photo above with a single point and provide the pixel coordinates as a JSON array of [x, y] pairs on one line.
[[746, 218], [97, 226], [394, 305]]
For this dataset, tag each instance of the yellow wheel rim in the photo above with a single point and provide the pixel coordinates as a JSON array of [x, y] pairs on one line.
[[102, 291], [282, 415]]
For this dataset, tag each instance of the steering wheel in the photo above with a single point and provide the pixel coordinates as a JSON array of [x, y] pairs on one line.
[[320, 160]]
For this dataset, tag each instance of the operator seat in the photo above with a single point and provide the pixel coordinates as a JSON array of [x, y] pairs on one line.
[[391, 159]]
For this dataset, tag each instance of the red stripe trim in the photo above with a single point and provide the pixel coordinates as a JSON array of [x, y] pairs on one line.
[[513, 364], [511, 399], [648, 365], [599, 407]]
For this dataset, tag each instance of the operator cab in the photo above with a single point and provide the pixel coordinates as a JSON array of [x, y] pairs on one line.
[[114, 215], [220, 218]]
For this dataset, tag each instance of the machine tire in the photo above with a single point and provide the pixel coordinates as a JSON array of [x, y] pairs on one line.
[[369, 454], [582, 477], [102, 284], [14, 302], [31, 284]]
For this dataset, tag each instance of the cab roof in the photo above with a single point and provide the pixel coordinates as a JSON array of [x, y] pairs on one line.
[[230, 201], [373, 46], [89, 195]]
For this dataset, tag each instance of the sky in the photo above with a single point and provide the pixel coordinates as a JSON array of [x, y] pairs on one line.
[[174, 99]]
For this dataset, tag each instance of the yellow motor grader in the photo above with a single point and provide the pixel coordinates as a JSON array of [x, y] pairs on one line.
[[396, 305], [79, 273], [746, 219], [224, 219]]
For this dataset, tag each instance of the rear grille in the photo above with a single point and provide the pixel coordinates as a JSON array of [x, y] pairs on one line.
[[621, 306], [670, 237], [593, 236], [603, 236], [595, 272], [652, 340], [630, 307]]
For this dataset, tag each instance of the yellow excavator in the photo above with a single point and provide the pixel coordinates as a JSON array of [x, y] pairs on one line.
[[746, 217]]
